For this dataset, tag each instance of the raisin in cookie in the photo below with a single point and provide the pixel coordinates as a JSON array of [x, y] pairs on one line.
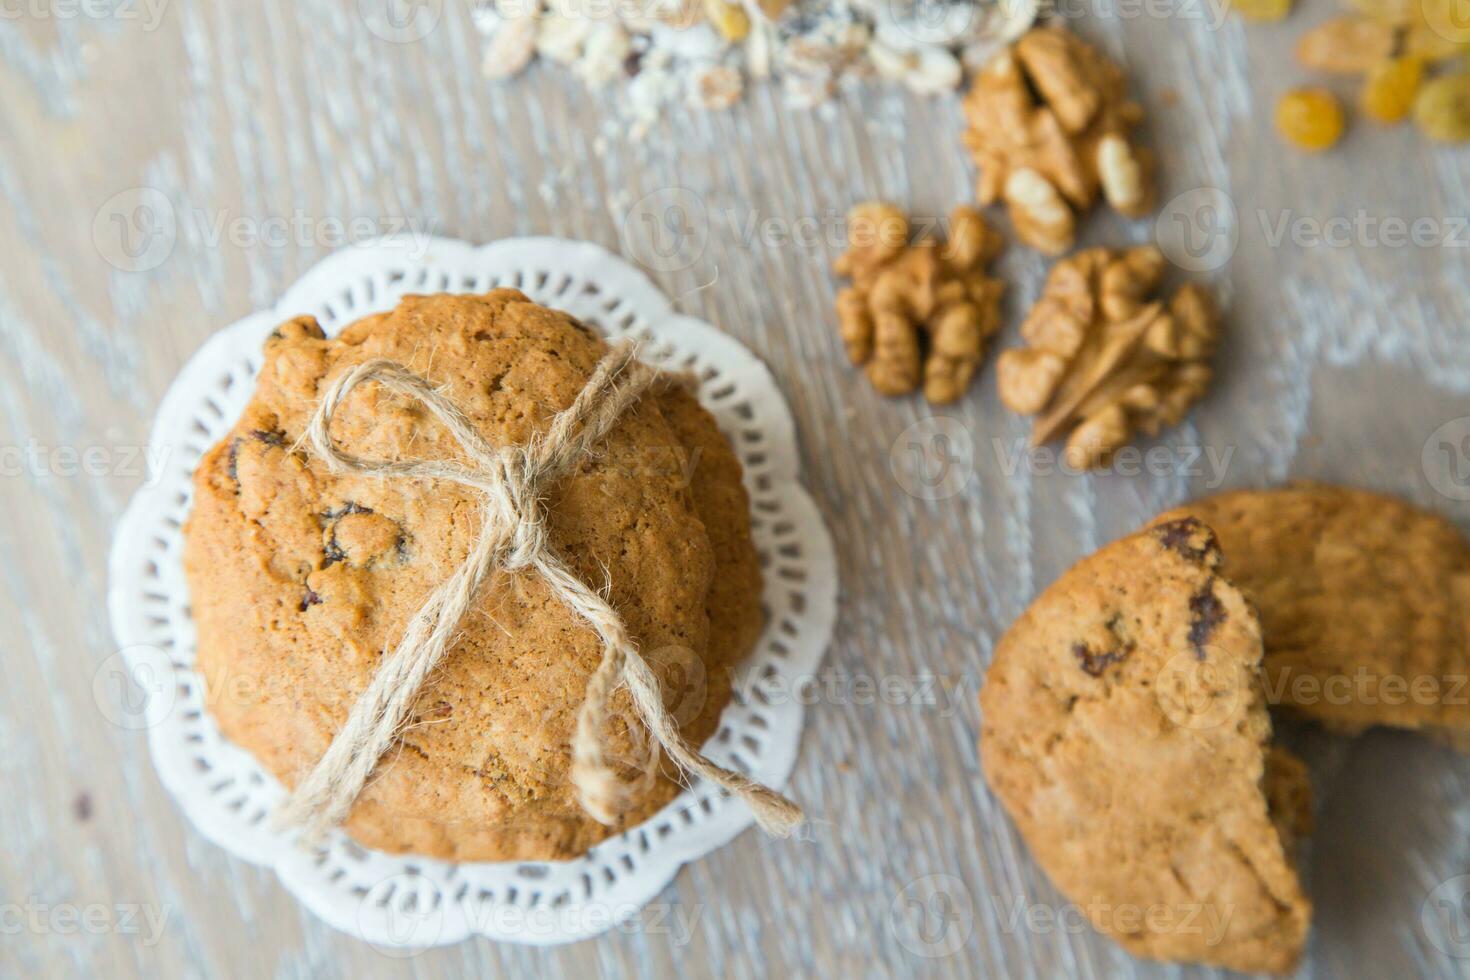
[[1364, 603], [1125, 731], [301, 578]]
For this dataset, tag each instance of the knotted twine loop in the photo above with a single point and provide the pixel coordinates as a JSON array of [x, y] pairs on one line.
[[512, 482]]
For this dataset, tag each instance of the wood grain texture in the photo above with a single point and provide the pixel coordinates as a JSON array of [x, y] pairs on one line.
[[1341, 359]]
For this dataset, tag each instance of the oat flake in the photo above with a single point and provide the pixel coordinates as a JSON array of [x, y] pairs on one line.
[[665, 52]]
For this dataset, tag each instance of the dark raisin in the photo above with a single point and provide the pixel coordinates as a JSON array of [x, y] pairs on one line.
[[312, 598], [331, 553], [1094, 663], [271, 437], [234, 468], [331, 550], [349, 508], [1206, 613], [1188, 538]]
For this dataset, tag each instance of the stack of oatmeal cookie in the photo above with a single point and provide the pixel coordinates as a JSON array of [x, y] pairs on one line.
[[302, 578]]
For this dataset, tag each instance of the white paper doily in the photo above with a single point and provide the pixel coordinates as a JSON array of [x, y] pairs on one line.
[[404, 902]]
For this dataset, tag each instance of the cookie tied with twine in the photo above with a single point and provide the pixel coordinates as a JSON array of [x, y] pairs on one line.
[[511, 483]]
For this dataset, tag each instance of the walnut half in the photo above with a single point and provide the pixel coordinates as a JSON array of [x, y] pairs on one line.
[[1104, 358], [918, 311], [1050, 127]]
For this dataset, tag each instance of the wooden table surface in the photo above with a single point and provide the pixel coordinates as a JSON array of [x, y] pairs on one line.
[[268, 128]]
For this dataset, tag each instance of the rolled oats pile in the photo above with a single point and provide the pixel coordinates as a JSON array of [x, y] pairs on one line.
[[705, 52]]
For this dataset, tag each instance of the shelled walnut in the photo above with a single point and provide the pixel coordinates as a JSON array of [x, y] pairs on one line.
[[918, 311], [1050, 127], [1104, 358]]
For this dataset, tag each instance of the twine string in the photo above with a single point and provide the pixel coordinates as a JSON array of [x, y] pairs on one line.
[[512, 483]]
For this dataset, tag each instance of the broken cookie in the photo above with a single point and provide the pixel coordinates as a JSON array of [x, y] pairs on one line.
[[1364, 601], [1051, 129], [1125, 731], [1105, 358], [918, 311]]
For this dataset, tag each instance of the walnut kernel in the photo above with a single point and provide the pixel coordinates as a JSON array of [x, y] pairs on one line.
[[918, 312], [1050, 128], [1104, 358]]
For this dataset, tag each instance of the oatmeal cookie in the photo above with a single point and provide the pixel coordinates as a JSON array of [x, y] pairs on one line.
[[1125, 731], [1364, 603], [300, 578]]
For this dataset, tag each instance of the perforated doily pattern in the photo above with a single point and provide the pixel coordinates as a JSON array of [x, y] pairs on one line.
[[405, 903]]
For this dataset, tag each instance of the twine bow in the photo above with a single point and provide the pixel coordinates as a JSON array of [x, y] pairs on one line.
[[512, 482]]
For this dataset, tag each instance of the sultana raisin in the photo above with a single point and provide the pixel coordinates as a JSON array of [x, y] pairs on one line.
[[1389, 89], [1442, 109], [1310, 118]]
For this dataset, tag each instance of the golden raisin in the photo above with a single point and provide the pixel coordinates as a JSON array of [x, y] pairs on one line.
[[1442, 109], [1261, 10], [1310, 118], [1389, 89]]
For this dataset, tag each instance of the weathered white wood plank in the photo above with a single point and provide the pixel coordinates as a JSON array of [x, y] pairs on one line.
[[1340, 361]]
